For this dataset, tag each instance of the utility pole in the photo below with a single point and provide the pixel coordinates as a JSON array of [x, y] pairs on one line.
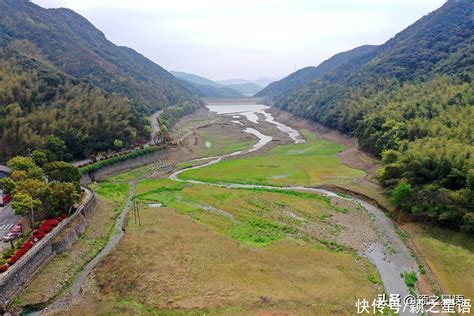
[[138, 213], [135, 210], [32, 213]]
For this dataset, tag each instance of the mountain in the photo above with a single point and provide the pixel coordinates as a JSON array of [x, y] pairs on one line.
[[206, 87], [63, 82], [410, 101], [247, 89], [73, 45], [262, 82], [277, 90], [195, 79]]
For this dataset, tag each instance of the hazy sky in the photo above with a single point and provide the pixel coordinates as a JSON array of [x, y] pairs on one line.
[[223, 39]]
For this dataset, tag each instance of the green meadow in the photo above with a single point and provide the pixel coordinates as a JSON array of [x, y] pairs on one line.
[[311, 163]]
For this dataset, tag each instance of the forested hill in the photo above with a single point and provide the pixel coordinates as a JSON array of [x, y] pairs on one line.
[[75, 46], [278, 89], [206, 87], [411, 101], [65, 88]]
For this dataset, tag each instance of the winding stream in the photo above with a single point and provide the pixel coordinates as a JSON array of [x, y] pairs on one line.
[[389, 254]]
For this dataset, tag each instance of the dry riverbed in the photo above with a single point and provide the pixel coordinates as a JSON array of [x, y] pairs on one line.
[[198, 251]]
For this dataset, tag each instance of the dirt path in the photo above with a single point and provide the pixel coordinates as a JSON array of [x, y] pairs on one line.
[[155, 128], [76, 288]]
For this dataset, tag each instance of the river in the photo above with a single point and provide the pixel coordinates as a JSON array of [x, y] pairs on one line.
[[389, 254]]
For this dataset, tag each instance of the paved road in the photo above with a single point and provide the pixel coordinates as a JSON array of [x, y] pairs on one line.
[[8, 219], [154, 125]]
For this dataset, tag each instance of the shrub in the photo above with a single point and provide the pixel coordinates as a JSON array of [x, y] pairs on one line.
[[401, 194], [106, 162], [51, 222], [39, 234], [46, 228]]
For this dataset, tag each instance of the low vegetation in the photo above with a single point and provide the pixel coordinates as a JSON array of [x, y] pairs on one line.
[[449, 255], [283, 165], [118, 158], [196, 268]]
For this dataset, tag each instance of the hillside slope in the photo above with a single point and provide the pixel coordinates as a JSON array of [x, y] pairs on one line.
[[75, 46], [39, 102], [410, 101], [63, 82], [248, 89], [277, 90], [206, 87]]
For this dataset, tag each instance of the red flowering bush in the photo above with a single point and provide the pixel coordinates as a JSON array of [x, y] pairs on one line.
[[39, 234], [51, 222], [3, 268], [27, 246], [46, 228], [20, 253]]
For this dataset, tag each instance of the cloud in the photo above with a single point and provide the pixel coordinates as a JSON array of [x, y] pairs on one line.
[[246, 38]]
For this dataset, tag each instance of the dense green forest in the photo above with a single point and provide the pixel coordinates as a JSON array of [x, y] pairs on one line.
[[36, 101], [410, 101], [61, 79], [76, 47]]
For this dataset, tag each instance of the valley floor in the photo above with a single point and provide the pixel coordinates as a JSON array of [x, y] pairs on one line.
[[261, 249]]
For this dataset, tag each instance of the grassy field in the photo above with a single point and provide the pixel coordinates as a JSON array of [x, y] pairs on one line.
[[311, 163], [215, 143], [59, 274], [133, 174], [254, 217], [449, 254], [213, 250], [189, 260]]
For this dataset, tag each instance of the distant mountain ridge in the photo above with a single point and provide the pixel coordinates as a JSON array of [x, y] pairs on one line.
[[205, 87], [277, 90], [247, 89], [262, 81]]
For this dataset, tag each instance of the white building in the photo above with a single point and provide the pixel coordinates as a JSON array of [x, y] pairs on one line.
[[4, 172]]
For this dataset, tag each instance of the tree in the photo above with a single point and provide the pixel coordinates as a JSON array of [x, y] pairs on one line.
[[33, 187], [25, 205], [118, 144], [61, 197], [26, 165], [56, 147], [40, 157], [400, 194], [61, 171], [21, 163], [7, 185]]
